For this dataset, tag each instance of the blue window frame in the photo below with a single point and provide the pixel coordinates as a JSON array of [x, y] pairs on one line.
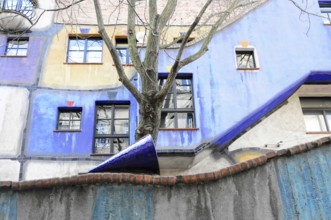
[[84, 50], [17, 47], [112, 127], [123, 50], [178, 105]]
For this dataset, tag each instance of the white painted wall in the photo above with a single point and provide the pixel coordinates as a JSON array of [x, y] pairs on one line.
[[9, 170], [47, 169], [14, 106], [46, 19], [285, 125]]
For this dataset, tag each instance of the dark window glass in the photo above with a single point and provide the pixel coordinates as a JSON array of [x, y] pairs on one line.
[[69, 119], [178, 105], [245, 59], [84, 50], [111, 128]]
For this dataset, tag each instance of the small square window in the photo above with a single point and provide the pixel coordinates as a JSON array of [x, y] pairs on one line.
[[326, 12], [245, 59], [17, 47], [69, 119], [123, 50], [84, 50]]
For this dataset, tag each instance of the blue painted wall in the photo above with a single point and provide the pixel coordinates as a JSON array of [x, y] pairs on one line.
[[42, 139]]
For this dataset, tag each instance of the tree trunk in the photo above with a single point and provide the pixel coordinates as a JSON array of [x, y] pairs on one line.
[[150, 118]]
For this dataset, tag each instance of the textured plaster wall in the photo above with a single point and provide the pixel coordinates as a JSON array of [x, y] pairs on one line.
[[295, 187], [41, 169], [42, 140], [224, 95], [14, 105], [9, 170], [22, 70]]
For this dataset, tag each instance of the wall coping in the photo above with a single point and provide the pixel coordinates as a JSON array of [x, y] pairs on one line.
[[157, 180]]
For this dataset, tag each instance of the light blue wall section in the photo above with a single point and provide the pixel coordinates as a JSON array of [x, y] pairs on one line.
[[288, 47], [42, 140]]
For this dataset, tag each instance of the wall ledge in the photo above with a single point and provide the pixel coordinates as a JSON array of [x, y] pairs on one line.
[[157, 180]]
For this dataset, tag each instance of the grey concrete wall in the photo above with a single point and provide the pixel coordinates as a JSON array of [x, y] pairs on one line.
[[290, 187]]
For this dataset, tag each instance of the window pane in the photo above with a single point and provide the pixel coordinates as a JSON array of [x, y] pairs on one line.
[[11, 52], [76, 115], [102, 145], [169, 101], [75, 44], [245, 59], [64, 125], [75, 56], [21, 52], [94, 45], [184, 100], [314, 121], [93, 57], [185, 120], [184, 85], [103, 127], [104, 111], [123, 54], [167, 120], [121, 127], [75, 125], [121, 112], [120, 144], [64, 116]]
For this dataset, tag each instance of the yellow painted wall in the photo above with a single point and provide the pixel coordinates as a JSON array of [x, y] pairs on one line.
[[59, 74]]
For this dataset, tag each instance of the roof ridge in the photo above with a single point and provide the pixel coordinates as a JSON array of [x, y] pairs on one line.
[[144, 179]]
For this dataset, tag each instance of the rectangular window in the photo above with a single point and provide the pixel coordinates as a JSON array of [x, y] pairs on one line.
[[84, 50], [178, 106], [326, 11], [245, 59], [111, 128], [317, 114], [17, 47], [69, 119], [123, 50]]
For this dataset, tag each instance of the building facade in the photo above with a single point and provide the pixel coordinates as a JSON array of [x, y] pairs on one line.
[[63, 110]]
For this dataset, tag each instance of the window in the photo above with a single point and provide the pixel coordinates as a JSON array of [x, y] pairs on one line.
[[245, 59], [317, 114], [69, 118], [326, 11], [123, 50], [178, 106], [84, 50], [180, 40], [111, 127], [17, 47]]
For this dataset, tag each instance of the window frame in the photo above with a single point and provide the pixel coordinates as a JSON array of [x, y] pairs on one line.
[[16, 49], [125, 47], [246, 50], [69, 110], [175, 110], [111, 136], [325, 8], [85, 50], [308, 105]]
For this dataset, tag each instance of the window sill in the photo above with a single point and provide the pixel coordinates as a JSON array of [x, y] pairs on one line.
[[318, 132], [13, 56], [96, 155], [82, 63], [67, 130], [179, 129], [125, 65], [327, 24], [248, 69]]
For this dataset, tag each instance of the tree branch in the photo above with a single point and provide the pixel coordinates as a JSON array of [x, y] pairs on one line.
[[120, 71], [167, 13]]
